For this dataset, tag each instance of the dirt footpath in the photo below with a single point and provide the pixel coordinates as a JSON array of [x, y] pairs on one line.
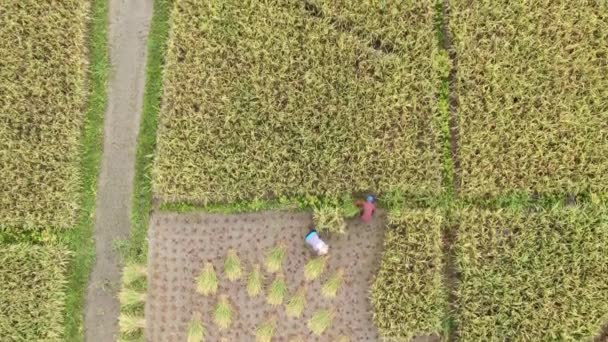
[[179, 245], [129, 21]]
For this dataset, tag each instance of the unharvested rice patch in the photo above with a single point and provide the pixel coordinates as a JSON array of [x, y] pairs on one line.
[[180, 245], [532, 90], [532, 276], [42, 103], [32, 297], [408, 294], [263, 100], [391, 27]]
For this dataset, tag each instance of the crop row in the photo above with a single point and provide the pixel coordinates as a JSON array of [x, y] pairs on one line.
[[42, 100], [532, 276], [521, 276], [408, 295], [292, 98], [32, 297], [266, 99], [531, 86], [393, 27]]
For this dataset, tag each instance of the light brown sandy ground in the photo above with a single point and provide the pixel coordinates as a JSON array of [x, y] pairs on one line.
[[129, 21], [181, 243]]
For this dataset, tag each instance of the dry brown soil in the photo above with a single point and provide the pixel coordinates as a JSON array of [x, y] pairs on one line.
[[179, 245]]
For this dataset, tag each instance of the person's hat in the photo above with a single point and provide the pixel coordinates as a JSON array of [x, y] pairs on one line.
[[370, 198]]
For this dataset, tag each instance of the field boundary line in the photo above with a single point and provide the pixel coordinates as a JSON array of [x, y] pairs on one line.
[[448, 103], [142, 200], [454, 128], [451, 275], [79, 239]]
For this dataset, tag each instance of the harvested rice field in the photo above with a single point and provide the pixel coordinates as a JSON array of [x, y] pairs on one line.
[[180, 245]]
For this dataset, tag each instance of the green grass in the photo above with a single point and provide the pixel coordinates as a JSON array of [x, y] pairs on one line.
[[146, 139], [79, 239], [32, 292], [537, 275], [408, 295]]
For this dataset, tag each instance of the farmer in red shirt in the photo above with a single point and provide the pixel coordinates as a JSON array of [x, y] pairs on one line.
[[367, 208]]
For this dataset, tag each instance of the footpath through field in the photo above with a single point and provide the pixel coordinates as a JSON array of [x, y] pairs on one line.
[[129, 22]]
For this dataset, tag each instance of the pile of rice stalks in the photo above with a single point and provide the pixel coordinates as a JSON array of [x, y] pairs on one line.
[[532, 90], [408, 296], [42, 101], [132, 297], [283, 103], [329, 219], [535, 276], [32, 292]]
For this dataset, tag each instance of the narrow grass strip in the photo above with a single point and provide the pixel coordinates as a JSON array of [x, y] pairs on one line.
[[79, 239], [146, 141]]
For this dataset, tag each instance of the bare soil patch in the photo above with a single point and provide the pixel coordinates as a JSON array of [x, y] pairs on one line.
[[179, 245]]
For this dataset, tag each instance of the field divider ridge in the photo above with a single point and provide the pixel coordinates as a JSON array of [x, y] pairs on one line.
[[448, 104]]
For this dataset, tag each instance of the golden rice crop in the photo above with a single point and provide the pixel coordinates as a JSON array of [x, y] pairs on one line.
[[387, 25], [407, 295], [32, 292], [532, 88], [532, 276], [265, 99], [42, 103]]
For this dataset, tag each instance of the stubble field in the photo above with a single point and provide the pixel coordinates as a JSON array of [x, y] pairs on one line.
[[180, 245]]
